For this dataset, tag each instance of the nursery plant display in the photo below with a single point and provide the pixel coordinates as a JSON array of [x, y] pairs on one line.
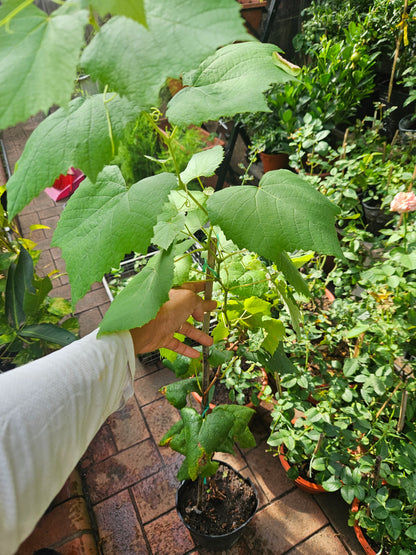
[[30, 321], [105, 218], [325, 93]]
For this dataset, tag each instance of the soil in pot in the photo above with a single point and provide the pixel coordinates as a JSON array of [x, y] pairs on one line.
[[230, 504], [222, 393]]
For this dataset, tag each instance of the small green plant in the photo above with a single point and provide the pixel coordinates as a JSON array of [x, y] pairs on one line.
[[132, 54], [32, 324]]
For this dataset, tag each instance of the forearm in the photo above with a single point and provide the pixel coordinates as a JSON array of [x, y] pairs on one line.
[[50, 410]]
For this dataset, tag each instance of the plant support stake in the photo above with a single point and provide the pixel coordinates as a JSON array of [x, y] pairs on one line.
[[212, 248]]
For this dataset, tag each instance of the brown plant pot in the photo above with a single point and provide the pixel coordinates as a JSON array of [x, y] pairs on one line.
[[358, 532], [304, 485], [252, 11], [271, 162]]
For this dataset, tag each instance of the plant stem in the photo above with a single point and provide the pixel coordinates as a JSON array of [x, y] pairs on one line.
[[403, 24], [212, 248], [386, 402], [402, 415]]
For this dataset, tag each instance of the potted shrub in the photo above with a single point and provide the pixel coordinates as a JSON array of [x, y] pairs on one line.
[[282, 215], [383, 515], [270, 132], [32, 323]]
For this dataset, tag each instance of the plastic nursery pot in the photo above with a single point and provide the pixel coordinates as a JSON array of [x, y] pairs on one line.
[[264, 382], [305, 485], [407, 129], [375, 217], [358, 532], [274, 161], [209, 541]]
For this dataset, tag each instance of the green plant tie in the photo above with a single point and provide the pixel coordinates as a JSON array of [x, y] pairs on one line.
[[205, 267], [205, 410]]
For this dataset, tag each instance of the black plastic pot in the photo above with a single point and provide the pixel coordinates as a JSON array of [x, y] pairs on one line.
[[407, 129], [213, 542], [375, 217]]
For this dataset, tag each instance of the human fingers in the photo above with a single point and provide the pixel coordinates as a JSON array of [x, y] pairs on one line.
[[195, 286], [194, 333], [202, 307], [174, 344]]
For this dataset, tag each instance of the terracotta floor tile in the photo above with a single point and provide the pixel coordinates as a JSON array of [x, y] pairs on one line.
[[88, 320], [122, 470], [84, 545], [240, 548], [101, 447], [285, 523], [92, 299], [64, 521], [147, 387], [71, 488], [268, 472], [156, 495], [160, 416], [168, 536], [128, 425], [119, 529], [324, 542]]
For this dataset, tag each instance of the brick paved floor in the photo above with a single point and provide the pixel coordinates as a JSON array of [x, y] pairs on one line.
[[129, 481]]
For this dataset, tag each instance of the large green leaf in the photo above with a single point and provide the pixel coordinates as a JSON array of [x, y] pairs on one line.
[[48, 332], [146, 293], [203, 164], [135, 61], [77, 136], [229, 82], [177, 392], [284, 213], [38, 58], [104, 220], [18, 284], [129, 8]]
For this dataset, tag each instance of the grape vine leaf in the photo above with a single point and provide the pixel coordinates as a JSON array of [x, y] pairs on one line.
[[203, 164], [97, 213], [136, 62], [39, 54], [129, 8], [147, 291], [231, 81], [284, 213], [74, 136]]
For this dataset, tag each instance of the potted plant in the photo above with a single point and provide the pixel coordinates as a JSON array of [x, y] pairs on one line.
[[383, 515], [407, 125], [252, 11], [32, 323], [270, 132], [283, 214]]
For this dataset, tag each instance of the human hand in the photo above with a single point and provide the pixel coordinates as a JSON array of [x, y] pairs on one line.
[[172, 318]]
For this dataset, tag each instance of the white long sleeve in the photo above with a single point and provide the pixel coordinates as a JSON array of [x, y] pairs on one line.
[[50, 410]]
